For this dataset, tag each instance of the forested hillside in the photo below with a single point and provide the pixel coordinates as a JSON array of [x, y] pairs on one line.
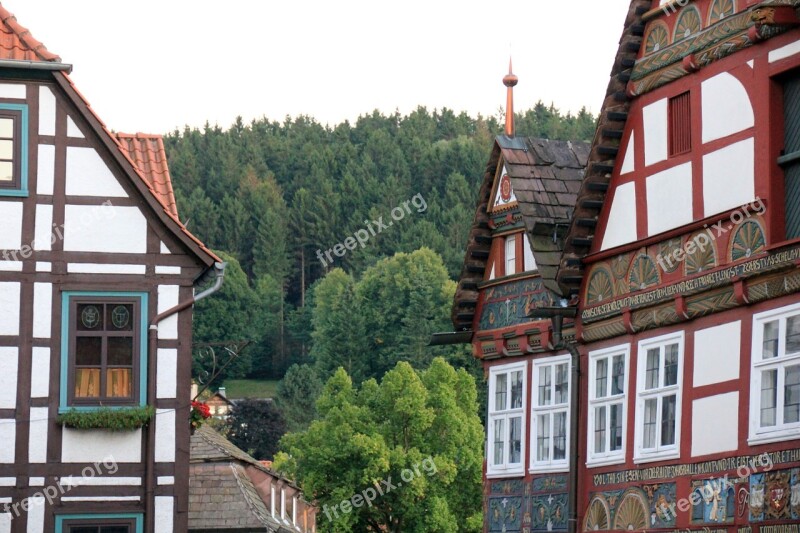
[[270, 195]]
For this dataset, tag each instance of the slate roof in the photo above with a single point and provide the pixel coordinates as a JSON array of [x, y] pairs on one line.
[[148, 154], [17, 43], [221, 494], [546, 176]]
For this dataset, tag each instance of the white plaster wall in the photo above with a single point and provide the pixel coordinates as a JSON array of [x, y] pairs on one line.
[[784, 51], [110, 229], [100, 481], [721, 413], [79, 446], [11, 215], [105, 268], [166, 480], [168, 270], [88, 175], [669, 199], [13, 90], [168, 297], [729, 177], [165, 436], [8, 482], [8, 436], [165, 249], [164, 514], [44, 266], [40, 372], [726, 107], [530, 260], [42, 310], [73, 130], [43, 228], [36, 481], [717, 352], [621, 226], [628, 164], [10, 266], [9, 365], [45, 174], [5, 523], [36, 506], [655, 132], [9, 308], [37, 447], [167, 372], [47, 111]]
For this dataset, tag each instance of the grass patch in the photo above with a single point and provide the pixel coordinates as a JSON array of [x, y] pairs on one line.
[[250, 388]]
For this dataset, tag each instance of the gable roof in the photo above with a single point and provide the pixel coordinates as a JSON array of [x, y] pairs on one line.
[[148, 155], [17, 43], [579, 237], [545, 176]]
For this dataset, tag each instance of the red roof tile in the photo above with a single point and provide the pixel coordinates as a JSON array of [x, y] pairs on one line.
[[17, 43], [148, 154]]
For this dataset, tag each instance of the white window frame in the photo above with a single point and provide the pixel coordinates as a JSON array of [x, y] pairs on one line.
[[511, 254], [527, 253], [506, 469], [617, 456], [781, 431], [659, 453], [550, 465]]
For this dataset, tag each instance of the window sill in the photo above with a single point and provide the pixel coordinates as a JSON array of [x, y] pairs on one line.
[[606, 461], [655, 457], [502, 474], [774, 436], [14, 193], [549, 469]]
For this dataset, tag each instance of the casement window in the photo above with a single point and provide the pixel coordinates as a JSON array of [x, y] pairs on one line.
[[680, 125], [658, 398], [506, 419], [608, 386], [104, 350], [530, 261], [790, 156], [511, 255], [99, 523], [550, 414], [775, 376], [13, 150]]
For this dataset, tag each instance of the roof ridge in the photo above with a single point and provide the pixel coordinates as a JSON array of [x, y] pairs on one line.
[[25, 37]]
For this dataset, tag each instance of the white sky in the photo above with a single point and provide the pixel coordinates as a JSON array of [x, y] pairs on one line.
[[153, 65]]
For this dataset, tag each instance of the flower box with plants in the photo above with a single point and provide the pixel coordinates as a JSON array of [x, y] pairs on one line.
[[199, 413], [126, 419]]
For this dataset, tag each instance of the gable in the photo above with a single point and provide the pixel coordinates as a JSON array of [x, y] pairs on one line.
[[503, 191]]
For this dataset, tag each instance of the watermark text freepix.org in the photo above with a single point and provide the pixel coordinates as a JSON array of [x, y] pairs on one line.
[[385, 486], [373, 227], [704, 239]]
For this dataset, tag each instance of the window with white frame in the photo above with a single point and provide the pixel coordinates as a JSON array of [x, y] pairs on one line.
[[511, 255], [506, 419], [550, 414], [775, 377], [658, 398], [608, 384], [530, 261]]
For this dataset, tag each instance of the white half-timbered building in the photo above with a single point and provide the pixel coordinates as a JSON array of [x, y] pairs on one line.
[[97, 282]]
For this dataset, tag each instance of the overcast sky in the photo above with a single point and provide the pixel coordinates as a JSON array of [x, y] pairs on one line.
[[154, 65]]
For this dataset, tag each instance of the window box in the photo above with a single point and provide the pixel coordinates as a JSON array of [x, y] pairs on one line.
[[103, 350], [608, 390], [775, 376], [550, 415], [127, 419], [659, 386], [506, 422]]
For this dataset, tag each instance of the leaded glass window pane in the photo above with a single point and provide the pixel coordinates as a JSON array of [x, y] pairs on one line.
[[601, 378], [543, 437], [791, 395], [515, 453], [668, 414], [770, 342], [500, 392], [653, 367], [769, 397], [650, 422], [600, 429], [516, 390]]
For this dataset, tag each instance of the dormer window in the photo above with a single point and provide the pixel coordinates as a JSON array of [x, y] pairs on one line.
[[511, 255]]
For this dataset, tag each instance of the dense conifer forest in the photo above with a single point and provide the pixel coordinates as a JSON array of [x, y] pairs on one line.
[[268, 195]]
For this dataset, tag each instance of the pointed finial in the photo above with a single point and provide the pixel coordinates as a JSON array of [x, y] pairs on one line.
[[510, 80]]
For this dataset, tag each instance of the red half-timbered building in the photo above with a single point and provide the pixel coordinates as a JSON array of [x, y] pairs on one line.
[[678, 255]]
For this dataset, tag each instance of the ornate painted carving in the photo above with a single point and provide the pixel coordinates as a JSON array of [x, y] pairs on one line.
[[631, 514], [667, 249], [600, 286], [657, 38], [775, 495], [643, 274], [598, 515], [549, 483], [620, 265], [689, 23], [716, 501], [702, 259], [509, 304], [721, 9], [747, 240], [635, 508], [549, 513]]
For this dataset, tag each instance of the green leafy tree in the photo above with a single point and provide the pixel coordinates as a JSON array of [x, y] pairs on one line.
[[256, 426], [297, 396], [415, 436]]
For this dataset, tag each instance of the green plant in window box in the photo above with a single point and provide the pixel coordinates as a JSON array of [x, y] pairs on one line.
[[127, 419]]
